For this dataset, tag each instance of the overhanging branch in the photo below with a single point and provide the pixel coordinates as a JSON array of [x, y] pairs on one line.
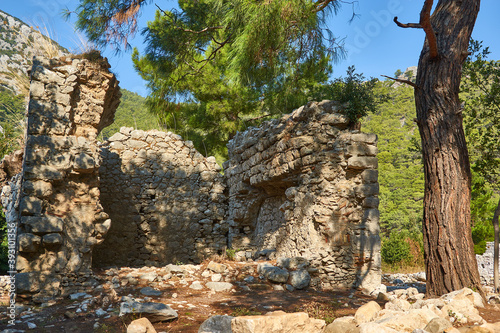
[[402, 81], [320, 5], [425, 23], [407, 25]]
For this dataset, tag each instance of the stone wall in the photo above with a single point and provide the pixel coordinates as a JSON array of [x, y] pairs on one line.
[[165, 199], [485, 264], [306, 185], [61, 218]]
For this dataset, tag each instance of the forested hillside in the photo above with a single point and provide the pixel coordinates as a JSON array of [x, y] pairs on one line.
[[400, 167], [11, 121], [131, 112]]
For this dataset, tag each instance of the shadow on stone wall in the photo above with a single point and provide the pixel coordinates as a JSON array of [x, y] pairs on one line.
[[309, 182], [166, 201], [60, 217]]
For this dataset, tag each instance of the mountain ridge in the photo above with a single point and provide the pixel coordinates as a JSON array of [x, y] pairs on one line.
[[19, 43]]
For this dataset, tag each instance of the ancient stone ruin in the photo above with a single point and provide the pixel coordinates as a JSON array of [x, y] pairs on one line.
[[166, 201], [306, 185], [303, 186], [59, 213]]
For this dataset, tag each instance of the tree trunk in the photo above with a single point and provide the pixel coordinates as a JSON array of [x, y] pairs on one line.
[[449, 252], [496, 229]]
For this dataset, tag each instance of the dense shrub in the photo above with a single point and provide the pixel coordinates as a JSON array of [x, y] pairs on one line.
[[3, 244], [396, 248]]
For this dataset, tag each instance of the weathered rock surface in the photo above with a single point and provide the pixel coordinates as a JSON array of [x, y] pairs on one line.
[[273, 273], [438, 325], [153, 311], [277, 322], [219, 286], [300, 279], [170, 201], [61, 215], [289, 195], [142, 325], [216, 324], [367, 312], [342, 327]]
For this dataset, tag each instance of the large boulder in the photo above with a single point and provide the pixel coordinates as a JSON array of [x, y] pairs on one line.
[[367, 312], [461, 306], [340, 325], [219, 286], [142, 325], [375, 328], [155, 312], [273, 273], [473, 296], [398, 305], [438, 325], [216, 324], [277, 322], [300, 279], [406, 321], [293, 263]]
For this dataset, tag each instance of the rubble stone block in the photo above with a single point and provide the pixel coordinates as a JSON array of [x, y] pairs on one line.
[[43, 224], [29, 242], [362, 162], [52, 240]]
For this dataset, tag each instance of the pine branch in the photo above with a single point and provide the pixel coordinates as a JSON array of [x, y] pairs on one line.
[[178, 27], [257, 118], [402, 81], [320, 5], [425, 21], [407, 25]]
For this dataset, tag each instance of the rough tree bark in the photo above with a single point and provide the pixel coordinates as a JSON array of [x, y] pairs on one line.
[[449, 251], [496, 229]]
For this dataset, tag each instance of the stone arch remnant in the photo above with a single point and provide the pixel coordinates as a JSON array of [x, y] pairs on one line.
[[59, 213], [306, 185]]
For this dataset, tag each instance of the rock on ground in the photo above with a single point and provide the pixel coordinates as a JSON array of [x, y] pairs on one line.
[[219, 286], [367, 312], [142, 325], [277, 322], [342, 327], [216, 324], [300, 279], [273, 273], [438, 325], [154, 311]]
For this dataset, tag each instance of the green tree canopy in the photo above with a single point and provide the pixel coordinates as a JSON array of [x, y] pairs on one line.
[[480, 94], [214, 66]]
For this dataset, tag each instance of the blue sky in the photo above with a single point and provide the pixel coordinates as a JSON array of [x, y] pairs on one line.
[[375, 45]]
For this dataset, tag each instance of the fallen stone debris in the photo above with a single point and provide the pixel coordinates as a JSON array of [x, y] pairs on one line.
[[160, 296]]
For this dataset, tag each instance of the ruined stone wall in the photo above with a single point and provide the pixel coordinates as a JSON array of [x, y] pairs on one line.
[[306, 185], [165, 199], [61, 218]]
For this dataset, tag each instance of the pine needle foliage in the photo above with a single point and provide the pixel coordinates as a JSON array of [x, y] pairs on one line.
[[215, 67], [480, 94]]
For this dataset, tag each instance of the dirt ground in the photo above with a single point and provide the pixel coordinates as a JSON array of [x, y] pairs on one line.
[[193, 306]]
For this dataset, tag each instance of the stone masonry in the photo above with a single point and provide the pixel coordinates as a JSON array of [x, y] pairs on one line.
[[60, 216], [306, 185], [165, 199], [485, 264]]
